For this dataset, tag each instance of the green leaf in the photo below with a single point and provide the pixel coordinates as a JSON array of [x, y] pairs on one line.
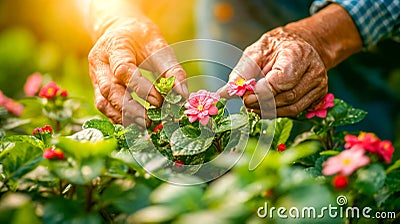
[[12, 123], [165, 85], [345, 114], [232, 122], [116, 168], [106, 127], [329, 153], [2, 134], [87, 143], [299, 151], [126, 195], [393, 182], [181, 198], [182, 144], [156, 114], [139, 145], [173, 98], [78, 173], [221, 105], [20, 159], [88, 135], [339, 115], [3, 112], [132, 132], [25, 138], [395, 166], [169, 128], [283, 127], [370, 179], [61, 211]]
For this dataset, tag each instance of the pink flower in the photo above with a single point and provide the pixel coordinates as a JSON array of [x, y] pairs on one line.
[[340, 181], [367, 141], [32, 84], [346, 162], [320, 109], [10, 105], [200, 106], [49, 91], [53, 154], [281, 147], [240, 86], [385, 150]]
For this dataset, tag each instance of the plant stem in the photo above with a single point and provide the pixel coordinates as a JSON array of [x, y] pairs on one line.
[[89, 197]]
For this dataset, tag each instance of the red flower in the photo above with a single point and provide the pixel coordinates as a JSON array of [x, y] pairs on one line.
[[281, 147], [43, 130], [49, 91], [371, 143], [200, 106], [320, 109], [385, 150], [179, 165], [158, 128], [32, 84], [64, 93], [367, 141], [240, 86], [53, 154], [340, 182], [10, 105]]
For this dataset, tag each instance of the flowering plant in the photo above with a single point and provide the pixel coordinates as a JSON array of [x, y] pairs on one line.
[[59, 172]]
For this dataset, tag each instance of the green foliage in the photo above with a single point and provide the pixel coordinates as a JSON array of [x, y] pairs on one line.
[[87, 143], [371, 179], [109, 173], [165, 85], [340, 115], [156, 114], [106, 128], [19, 159], [184, 144], [283, 127]]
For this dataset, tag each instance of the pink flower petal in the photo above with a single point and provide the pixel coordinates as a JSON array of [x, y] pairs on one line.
[[213, 110], [204, 121], [32, 84], [192, 119], [310, 114], [321, 113]]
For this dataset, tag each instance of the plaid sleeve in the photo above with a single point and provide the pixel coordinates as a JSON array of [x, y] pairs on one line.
[[375, 19]]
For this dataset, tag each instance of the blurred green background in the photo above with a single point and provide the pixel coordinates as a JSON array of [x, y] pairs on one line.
[[43, 36], [50, 37]]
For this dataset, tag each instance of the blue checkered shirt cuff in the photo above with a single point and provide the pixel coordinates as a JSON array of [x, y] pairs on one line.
[[375, 19]]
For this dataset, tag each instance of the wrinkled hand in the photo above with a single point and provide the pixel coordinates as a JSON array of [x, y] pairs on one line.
[[113, 65], [290, 70]]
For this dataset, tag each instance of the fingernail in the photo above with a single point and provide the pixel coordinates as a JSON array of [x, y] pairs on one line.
[[184, 91]]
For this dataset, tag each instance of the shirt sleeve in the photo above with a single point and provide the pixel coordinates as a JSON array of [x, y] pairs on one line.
[[375, 19]]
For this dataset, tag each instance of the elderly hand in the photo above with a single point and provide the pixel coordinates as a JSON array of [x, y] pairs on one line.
[[123, 44], [292, 61]]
